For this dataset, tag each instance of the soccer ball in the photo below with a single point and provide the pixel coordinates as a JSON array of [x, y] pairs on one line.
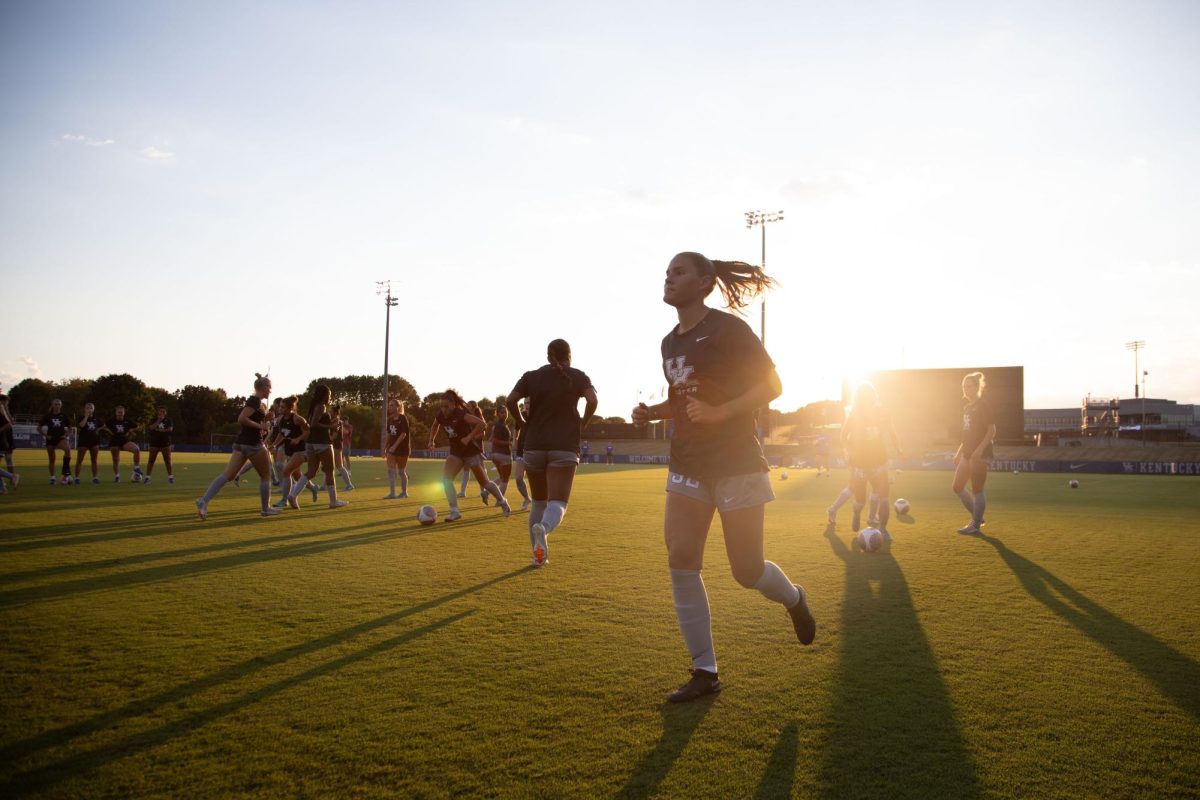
[[870, 539], [783, 475], [427, 515], [902, 506], [1016, 472], [1074, 484]]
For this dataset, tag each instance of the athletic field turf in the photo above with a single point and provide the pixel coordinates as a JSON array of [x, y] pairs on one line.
[[353, 653]]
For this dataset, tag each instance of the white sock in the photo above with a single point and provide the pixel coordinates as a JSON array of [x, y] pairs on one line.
[[522, 488], [299, 487], [392, 479], [491, 486], [555, 511], [695, 621], [345, 473], [264, 492], [968, 501], [331, 488], [773, 584], [842, 498], [980, 505], [403, 482], [503, 487], [286, 485], [451, 495], [215, 487], [536, 511]]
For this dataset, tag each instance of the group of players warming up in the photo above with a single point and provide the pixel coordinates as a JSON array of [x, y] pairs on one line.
[[718, 372]]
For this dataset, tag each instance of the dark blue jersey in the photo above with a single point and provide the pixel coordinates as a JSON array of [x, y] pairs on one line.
[[457, 428], [247, 435]]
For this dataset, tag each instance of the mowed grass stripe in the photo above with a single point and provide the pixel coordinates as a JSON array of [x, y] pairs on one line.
[[354, 652]]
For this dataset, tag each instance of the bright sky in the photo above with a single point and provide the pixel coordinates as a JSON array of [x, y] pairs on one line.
[[190, 192]]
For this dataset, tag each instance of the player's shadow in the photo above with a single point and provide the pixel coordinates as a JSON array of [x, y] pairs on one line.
[[780, 773], [680, 721], [892, 730], [1175, 675], [76, 764], [907, 519]]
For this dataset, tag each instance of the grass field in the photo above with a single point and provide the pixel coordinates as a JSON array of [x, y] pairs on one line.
[[353, 653]]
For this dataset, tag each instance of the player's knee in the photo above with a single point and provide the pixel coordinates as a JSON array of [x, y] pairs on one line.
[[746, 575]]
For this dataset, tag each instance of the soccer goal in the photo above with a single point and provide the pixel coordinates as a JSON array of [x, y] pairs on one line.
[[221, 442]]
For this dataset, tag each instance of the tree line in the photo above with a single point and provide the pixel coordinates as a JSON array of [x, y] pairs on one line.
[[201, 411]]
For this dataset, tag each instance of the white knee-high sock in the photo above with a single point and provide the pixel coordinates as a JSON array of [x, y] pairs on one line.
[[215, 487], [536, 511], [522, 488], [968, 500], [345, 473], [451, 495], [555, 511], [845, 495], [695, 621], [874, 512], [503, 486], [264, 492], [980, 505], [466, 477], [773, 584], [403, 481], [6, 474], [286, 486], [392, 479], [491, 486], [298, 487]]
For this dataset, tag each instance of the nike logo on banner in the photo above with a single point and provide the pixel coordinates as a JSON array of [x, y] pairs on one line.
[[702, 338], [1078, 466]]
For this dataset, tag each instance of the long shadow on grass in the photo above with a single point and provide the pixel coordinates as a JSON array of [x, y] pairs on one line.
[[679, 723], [131, 578], [79, 764], [892, 728], [1175, 675], [12, 753], [780, 773]]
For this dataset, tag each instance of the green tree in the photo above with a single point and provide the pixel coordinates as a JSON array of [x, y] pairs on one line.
[[31, 396], [110, 391], [201, 411], [74, 392]]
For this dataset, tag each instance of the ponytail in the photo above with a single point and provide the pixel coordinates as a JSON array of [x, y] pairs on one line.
[[455, 398], [558, 353], [321, 395], [740, 282], [980, 384]]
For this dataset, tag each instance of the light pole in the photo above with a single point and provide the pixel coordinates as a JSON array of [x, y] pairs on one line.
[[1135, 347], [385, 288], [761, 219], [1144, 374]]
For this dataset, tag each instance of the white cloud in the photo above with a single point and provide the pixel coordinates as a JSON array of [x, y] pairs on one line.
[[31, 366], [157, 154], [79, 138], [8, 379]]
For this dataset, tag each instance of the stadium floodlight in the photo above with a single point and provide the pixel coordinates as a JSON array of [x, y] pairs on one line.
[[762, 219], [384, 288]]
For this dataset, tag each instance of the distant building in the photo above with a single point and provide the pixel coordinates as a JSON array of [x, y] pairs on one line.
[[1165, 420], [926, 404]]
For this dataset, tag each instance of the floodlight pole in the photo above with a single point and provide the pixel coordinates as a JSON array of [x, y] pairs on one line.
[[1144, 374], [761, 218], [385, 288], [1135, 346]]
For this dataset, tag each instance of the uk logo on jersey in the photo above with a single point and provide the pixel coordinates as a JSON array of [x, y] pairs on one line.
[[677, 370]]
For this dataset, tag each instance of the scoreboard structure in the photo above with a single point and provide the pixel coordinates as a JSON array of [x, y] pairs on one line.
[[926, 404]]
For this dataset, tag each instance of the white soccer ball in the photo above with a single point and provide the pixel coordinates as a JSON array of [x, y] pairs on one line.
[[870, 539], [1016, 472], [1074, 484], [783, 475], [902, 506], [427, 515]]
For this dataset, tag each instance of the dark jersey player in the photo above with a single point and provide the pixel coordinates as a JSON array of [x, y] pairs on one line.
[[120, 439], [463, 432], [501, 439], [551, 431], [248, 446], [865, 435], [161, 428], [54, 428], [971, 458], [397, 447], [88, 441], [719, 373]]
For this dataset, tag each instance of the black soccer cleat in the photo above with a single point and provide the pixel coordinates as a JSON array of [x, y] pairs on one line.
[[702, 682], [802, 619]]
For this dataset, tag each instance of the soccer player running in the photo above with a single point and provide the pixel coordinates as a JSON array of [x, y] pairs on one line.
[[347, 439], [54, 428], [119, 428], [474, 410], [290, 430], [161, 429], [864, 434], [397, 448], [318, 447], [501, 438], [338, 443], [268, 436], [7, 442], [248, 446], [719, 373], [971, 458], [552, 438], [518, 457], [463, 431], [88, 441]]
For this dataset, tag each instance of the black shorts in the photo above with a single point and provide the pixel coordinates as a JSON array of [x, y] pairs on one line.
[[87, 444], [160, 445], [117, 443], [55, 442]]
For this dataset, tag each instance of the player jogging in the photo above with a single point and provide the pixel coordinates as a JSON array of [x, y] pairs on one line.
[[863, 433], [474, 410], [397, 448], [552, 438], [318, 447], [248, 447], [7, 442], [719, 373], [161, 429], [971, 458], [501, 439], [290, 430], [347, 438], [119, 428], [88, 441], [518, 459], [54, 428], [462, 431], [338, 437]]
